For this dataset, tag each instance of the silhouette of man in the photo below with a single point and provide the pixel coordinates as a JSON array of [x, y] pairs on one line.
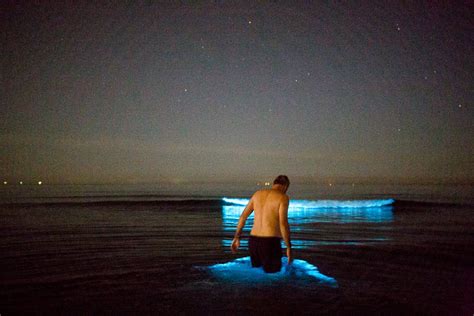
[[270, 224]]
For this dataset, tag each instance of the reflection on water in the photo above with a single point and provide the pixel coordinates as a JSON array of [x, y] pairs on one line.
[[305, 244], [231, 214], [241, 271], [300, 217]]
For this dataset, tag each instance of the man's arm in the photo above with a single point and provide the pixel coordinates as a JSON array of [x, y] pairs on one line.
[[243, 218], [285, 227]]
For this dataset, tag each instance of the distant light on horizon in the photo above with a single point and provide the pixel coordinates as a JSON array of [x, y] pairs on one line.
[[21, 182], [5, 182], [40, 182]]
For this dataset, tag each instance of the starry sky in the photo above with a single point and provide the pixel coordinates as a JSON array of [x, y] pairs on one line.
[[117, 92]]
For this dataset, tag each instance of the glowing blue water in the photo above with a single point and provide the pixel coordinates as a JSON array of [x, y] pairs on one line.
[[231, 214], [241, 271], [298, 204], [300, 218]]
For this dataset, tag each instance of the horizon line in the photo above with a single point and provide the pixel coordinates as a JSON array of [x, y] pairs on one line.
[[259, 182]]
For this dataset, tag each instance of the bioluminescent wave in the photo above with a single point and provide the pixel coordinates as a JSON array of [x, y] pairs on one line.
[[317, 204], [231, 214], [241, 271], [299, 218]]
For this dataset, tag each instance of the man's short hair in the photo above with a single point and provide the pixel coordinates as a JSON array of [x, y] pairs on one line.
[[283, 180]]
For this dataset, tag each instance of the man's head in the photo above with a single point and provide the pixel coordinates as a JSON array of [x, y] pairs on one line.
[[282, 181]]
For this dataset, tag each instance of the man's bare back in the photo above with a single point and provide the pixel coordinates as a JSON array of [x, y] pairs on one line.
[[266, 206], [271, 215]]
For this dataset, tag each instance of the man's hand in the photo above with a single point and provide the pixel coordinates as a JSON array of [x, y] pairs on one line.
[[289, 254], [235, 245]]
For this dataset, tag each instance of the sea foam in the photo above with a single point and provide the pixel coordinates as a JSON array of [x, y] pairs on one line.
[[241, 271]]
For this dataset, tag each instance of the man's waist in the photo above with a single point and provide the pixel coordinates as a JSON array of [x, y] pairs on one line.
[[265, 236]]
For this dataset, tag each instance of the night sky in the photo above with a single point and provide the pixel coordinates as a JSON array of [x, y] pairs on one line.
[[106, 92]]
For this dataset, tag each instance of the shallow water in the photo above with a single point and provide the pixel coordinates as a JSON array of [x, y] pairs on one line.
[[157, 256]]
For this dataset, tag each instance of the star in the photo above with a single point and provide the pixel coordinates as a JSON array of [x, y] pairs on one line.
[[460, 105]]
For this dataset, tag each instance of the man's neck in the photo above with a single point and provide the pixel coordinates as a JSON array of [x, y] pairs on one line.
[[278, 187]]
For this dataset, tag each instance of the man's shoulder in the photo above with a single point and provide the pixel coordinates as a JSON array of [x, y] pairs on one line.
[[260, 191], [276, 194], [257, 193], [280, 195]]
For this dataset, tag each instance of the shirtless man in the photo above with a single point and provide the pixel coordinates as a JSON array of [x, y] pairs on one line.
[[269, 226]]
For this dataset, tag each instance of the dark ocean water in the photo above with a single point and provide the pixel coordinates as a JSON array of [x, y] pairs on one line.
[[112, 250]]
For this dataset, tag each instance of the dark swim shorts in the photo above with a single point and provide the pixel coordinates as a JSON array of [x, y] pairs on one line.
[[266, 252]]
